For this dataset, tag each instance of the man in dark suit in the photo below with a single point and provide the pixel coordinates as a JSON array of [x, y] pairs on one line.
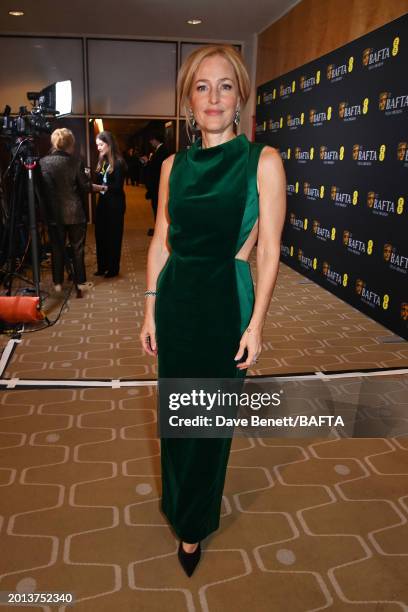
[[153, 169]]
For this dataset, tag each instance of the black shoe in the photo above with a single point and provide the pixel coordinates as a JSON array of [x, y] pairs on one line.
[[187, 560], [99, 273], [111, 274], [150, 232]]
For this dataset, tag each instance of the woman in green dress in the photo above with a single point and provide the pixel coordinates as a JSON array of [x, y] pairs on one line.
[[202, 317]]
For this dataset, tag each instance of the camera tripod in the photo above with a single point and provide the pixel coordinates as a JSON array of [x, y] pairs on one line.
[[21, 226]]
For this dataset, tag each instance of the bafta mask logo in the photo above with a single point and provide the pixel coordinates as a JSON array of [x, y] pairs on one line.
[[387, 251], [288, 118], [270, 122], [346, 237], [306, 188], [402, 150], [281, 90], [382, 100], [298, 151], [360, 284], [356, 151], [333, 192], [370, 199], [404, 311], [302, 82], [323, 150], [366, 56], [300, 254], [292, 218], [316, 224], [325, 268], [312, 113], [329, 71], [342, 107]]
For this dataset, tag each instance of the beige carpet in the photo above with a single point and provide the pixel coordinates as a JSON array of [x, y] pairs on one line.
[[306, 524]]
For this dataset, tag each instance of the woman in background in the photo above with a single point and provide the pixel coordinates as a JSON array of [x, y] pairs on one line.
[[65, 185], [110, 210]]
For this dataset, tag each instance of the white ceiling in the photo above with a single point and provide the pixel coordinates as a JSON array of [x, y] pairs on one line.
[[233, 20]]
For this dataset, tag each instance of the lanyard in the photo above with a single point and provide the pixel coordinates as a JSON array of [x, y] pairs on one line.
[[104, 172]]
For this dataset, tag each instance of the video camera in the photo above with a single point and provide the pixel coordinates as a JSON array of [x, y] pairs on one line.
[[54, 100]]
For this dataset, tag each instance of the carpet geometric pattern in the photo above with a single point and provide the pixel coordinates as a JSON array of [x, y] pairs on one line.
[[306, 525]]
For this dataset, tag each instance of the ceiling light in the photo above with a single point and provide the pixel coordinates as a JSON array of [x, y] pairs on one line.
[[194, 21], [16, 13]]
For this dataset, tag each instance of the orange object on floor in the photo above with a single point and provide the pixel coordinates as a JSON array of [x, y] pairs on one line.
[[20, 309]]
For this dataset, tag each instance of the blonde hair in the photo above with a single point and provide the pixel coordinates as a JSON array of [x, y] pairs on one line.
[[189, 68], [62, 139]]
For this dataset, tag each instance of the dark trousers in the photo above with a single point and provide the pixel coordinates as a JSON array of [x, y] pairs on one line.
[[76, 235], [108, 236]]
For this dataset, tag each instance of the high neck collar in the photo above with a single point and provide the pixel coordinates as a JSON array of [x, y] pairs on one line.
[[237, 139]]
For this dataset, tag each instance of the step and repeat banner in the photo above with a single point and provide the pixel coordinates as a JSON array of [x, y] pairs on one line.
[[341, 126]]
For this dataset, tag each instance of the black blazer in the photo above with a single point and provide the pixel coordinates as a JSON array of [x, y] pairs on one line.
[[153, 170], [64, 186]]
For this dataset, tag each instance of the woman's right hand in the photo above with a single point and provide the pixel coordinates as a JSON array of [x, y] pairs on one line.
[[148, 336]]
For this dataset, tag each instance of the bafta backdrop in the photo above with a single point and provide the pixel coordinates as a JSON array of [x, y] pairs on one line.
[[341, 126]]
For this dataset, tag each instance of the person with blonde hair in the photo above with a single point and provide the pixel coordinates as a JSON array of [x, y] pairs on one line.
[[202, 317], [65, 186]]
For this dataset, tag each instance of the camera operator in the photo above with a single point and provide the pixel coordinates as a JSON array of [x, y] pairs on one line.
[[65, 186]]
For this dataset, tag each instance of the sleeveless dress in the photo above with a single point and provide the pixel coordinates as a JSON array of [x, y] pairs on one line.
[[204, 303]]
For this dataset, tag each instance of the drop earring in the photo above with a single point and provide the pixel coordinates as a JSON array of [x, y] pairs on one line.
[[193, 122], [237, 117]]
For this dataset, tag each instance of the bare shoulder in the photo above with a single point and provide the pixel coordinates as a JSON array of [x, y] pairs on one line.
[[168, 162], [270, 159], [271, 172]]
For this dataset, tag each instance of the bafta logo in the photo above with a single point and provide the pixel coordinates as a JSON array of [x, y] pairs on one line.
[[346, 237], [382, 100], [387, 252], [360, 284], [300, 254], [323, 150], [333, 192], [329, 71], [292, 218], [316, 224], [356, 151], [404, 311], [298, 151], [402, 150], [312, 113], [302, 82], [370, 199], [306, 188], [281, 90], [366, 56], [342, 108], [270, 124], [325, 268]]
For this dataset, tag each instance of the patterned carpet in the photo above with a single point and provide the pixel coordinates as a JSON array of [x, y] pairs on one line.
[[307, 524]]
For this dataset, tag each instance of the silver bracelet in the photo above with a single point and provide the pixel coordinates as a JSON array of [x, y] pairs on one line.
[[150, 293]]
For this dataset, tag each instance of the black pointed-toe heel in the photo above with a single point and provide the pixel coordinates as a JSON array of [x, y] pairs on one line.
[[188, 561]]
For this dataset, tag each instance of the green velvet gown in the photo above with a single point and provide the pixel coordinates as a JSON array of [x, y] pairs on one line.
[[204, 303]]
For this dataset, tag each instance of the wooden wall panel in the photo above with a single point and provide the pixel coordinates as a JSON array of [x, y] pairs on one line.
[[315, 27]]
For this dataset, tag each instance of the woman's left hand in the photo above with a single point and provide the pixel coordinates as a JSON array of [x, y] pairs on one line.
[[252, 341]]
